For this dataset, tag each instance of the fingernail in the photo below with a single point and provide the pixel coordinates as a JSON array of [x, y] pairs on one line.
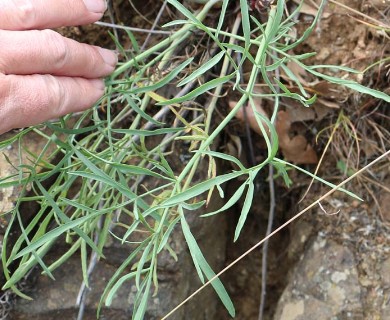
[[96, 6], [109, 57]]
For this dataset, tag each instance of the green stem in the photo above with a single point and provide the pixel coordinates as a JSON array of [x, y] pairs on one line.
[[180, 34], [214, 99], [240, 103]]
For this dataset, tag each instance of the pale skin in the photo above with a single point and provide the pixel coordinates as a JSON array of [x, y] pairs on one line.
[[44, 75]]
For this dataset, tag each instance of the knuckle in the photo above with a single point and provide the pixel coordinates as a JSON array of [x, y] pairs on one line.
[[3, 87], [3, 44], [8, 120], [4, 93], [28, 98], [95, 57], [25, 14], [37, 97], [59, 49], [56, 97], [3, 63]]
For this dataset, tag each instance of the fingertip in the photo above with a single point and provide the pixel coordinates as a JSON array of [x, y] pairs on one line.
[[43, 14], [29, 100], [109, 57], [96, 6], [99, 89], [98, 84]]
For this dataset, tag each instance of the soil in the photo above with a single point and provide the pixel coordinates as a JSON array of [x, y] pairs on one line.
[[341, 39]]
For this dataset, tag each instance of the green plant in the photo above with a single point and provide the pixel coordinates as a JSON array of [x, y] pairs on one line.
[[108, 162]]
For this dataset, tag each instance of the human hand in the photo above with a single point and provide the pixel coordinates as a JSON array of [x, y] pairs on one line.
[[42, 74]]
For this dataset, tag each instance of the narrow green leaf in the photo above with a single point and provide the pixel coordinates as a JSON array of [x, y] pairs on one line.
[[275, 65], [148, 133], [226, 157], [73, 131], [293, 77], [137, 170], [102, 176], [192, 246], [134, 43], [198, 189], [202, 69], [216, 283], [273, 143], [141, 263], [183, 10], [164, 81], [245, 22], [198, 91], [35, 223], [246, 207], [193, 206], [132, 228], [280, 6], [65, 218], [142, 113], [55, 233], [140, 312], [22, 270], [236, 196], [34, 253], [66, 255], [319, 179], [112, 293], [333, 67], [103, 233], [352, 85], [84, 263], [175, 23], [281, 171], [221, 19], [117, 274], [167, 233], [304, 56], [308, 30]]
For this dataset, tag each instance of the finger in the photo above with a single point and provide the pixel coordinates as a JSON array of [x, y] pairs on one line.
[[30, 100], [47, 52], [42, 14]]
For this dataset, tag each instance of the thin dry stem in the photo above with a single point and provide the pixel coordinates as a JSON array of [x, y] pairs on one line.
[[315, 203], [359, 13]]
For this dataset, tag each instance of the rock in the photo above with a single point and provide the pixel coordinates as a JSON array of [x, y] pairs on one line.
[[10, 159], [177, 280], [324, 284], [55, 297], [385, 206], [300, 232], [384, 270], [386, 312]]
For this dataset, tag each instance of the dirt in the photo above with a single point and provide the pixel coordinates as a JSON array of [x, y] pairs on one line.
[[361, 228], [341, 40], [244, 279]]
